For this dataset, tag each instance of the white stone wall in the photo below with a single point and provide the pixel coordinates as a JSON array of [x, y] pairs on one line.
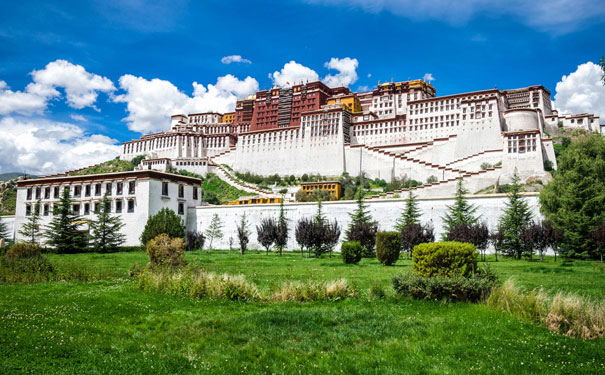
[[386, 212], [10, 225]]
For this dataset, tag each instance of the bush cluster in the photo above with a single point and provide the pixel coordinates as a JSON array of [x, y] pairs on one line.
[[165, 251], [445, 259], [388, 247], [351, 252], [457, 288]]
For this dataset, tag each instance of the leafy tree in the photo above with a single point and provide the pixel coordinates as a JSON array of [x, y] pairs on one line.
[[330, 237], [414, 234], [265, 232], [598, 236], [303, 233], [575, 199], [362, 228], [497, 238], [31, 229], [194, 240], [281, 230], [554, 235], [476, 233], [536, 236], [62, 231], [105, 230], [165, 221], [243, 234], [516, 216], [461, 212], [411, 213], [214, 230], [432, 179]]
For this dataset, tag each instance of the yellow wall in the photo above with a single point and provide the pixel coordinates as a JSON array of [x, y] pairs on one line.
[[350, 102], [334, 188], [228, 118], [258, 200]]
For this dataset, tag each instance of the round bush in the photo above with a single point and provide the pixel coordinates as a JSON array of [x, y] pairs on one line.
[[444, 259], [351, 252], [165, 221], [163, 250], [388, 247], [22, 250]]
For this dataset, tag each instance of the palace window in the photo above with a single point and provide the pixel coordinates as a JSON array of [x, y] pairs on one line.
[[181, 208], [46, 209], [46, 193], [29, 193], [76, 209], [119, 187], [118, 206], [28, 209], [97, 189], [131, 187], [86, 208], [195, 194], [38, 192], [77, 191], [56, 192], [165, 189], [130, 205], [108, 188]]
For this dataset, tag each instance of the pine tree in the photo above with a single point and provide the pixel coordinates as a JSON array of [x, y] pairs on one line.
[[62, 232], [281, 230], [319, 216], [461, 212], [105, 231], [243, 234], [31, 229], [410, 214], [516, 216], [362, 228], [214, 230]]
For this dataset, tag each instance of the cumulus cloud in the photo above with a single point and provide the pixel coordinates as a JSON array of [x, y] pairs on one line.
[[292, 73], [77, 117], [41, 146], [235, 59], [346, 75], [582, 91], [557, 16], [150, 103], [81, 89], [428, 77]]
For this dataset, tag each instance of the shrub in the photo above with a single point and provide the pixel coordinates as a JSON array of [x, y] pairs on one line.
[[166, 221], [24, 262], [376, 292], [163, 250], [265, 232], [334, 290], [194, 240], [388, 247], [414, 234], [351, 252], [128, 249], [364, 233], [23, 250], [477, 234], [444, 259], [457, 288]]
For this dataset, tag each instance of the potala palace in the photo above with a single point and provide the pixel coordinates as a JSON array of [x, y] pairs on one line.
[[398, 129]]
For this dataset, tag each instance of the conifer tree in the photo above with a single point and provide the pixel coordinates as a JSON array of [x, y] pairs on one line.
[[281, 230], [62, 232], [410, 214], [319, 216], [243, 234], [105, 230], [31, 229], [214, 230], [516, 216], [362, 228], [461, 212]]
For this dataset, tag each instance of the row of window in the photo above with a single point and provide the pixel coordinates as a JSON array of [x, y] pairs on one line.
[[522, 143], [181, 191], [85, 209], [77, 190]]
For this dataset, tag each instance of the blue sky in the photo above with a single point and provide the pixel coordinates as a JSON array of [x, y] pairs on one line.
[[108, 71]]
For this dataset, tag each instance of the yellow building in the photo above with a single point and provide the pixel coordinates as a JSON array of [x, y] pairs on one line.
[[333, 187], [228, 118], [350, 102], [255, 200]]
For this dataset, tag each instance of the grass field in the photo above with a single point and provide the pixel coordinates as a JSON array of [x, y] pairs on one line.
[[108, 326]]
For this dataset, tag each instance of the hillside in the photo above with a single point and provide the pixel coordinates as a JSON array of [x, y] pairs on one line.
[[115, 165], [8, 197], [12, 175]]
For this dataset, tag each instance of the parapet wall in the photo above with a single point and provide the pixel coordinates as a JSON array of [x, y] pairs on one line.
[[489, 207]]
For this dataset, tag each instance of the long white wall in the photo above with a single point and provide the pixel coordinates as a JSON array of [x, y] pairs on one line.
[[10, 225], [386, 212]]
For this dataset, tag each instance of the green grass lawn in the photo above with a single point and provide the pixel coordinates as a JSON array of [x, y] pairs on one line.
[[109, 326]]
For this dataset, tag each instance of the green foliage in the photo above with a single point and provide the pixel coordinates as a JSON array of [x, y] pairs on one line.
[[602, 65], [388, 247], [461, 212], [111, 166], [165, 221], [3, 230], [445, 259], [351, 252], [411, 213], [362, 228], [217, 191], [432, 179], [165, 251], [281, 230], [456, 288], [214, 230], [23, 250], [194, 240], [575, 199], [31, 228], [516, 215], [314, 196], [105, 231], [243, 234], [414, 234], [62, 231], [8, 197], [265, 232]]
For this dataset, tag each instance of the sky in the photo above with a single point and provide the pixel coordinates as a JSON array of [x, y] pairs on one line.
[[77, 78]]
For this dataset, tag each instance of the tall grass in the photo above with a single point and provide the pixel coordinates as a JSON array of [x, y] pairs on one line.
[[566, 313], [198, 283]]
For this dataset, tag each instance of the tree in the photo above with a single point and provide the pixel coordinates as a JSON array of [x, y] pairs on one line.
[[194, 240], [62, 231], [497, 239], [105, 230], [31, 229], [331, 237], [3, 230], [554, 235], [411, 213], [516, 216], [598, 236], [165, 221], [362, 228], [536, 236], [574, 200], [303, 233], [476, 233], [414, 234], [432, 179], [214, 230], [281, 230], [461, 212], [265, 232], [243, 234]]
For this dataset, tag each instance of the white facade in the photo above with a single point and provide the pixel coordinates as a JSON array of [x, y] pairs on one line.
[[134, 196]]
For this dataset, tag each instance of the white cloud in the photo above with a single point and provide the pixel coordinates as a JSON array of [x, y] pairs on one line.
[[41, 146], [582, 91], [236, 59], [150, 103], [346, 75], [428, 77], [558, 16], [77, 117], [292, 73], [369, 75], [81, 89], [363, 88]]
